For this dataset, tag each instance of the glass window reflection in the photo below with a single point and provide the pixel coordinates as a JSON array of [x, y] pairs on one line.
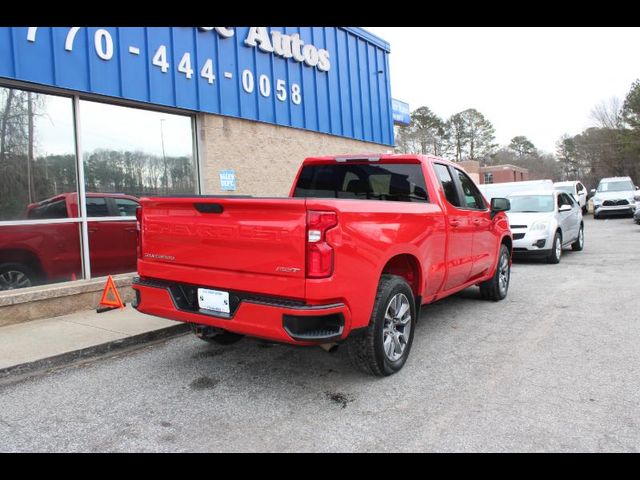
[[136, 152], [37, 152]]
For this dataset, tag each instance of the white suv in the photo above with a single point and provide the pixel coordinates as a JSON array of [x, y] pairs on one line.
[[577, 189], [614, 195]]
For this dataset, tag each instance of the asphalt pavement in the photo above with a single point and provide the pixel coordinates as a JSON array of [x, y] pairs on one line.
[[554, 367]]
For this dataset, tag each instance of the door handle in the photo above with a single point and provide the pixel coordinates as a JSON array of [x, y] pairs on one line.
[[92, 230], [476, 221], [454, 223]]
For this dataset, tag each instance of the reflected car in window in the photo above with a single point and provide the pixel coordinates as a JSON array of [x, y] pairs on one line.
[[46, 253]]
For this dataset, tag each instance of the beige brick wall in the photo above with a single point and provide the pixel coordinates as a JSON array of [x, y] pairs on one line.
[[265, 157]]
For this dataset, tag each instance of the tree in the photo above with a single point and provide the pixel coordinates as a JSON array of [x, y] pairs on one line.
[[472, 135], [608, 114], [458, 134], [426, 134], [522, 146], [428, 130], [567, 155], [631, 106]]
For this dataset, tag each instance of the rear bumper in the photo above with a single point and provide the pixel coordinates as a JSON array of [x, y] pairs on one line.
[[279, 320]]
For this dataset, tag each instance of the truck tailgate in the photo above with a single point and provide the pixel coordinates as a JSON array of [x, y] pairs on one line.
[[249, 244]]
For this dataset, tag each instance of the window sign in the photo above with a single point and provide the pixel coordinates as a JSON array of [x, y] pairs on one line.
[[228, 180]]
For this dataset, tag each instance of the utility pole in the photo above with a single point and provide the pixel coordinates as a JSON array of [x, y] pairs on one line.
[[164, 158]]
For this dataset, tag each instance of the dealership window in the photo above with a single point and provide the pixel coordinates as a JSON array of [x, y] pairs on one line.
[[488, 178], [40, 239], [126, 153]]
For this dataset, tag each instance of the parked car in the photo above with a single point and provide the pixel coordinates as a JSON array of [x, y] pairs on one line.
[[362, 243], [543, 222], [636, 216], [577, 190], [46, 253], [614, 196]]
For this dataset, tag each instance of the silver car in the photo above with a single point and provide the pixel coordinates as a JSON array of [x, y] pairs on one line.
[[614, 196], [543, 222]]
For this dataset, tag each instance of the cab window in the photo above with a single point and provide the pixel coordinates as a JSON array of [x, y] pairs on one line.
[[472, 196], [449, 187]]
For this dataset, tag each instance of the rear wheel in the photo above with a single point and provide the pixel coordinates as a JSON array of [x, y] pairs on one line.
[[579, 243], [383, 347], [214, 335], [496, 288], [16, 275], [556, 249]]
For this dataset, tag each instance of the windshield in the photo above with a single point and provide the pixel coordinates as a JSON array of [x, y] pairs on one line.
[[531, 203], [618, 186]]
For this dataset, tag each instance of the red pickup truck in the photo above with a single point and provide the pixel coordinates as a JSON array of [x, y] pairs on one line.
[[362, 242], [44, 253]]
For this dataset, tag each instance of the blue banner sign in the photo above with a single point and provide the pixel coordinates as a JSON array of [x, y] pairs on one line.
[[401, 112], [332, 80]]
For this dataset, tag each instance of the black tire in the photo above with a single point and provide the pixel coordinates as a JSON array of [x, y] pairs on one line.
[[597, 217], [497, 287], [366, 348], [16, 275], [211, 335], [585, 210], [578, 245], [554, 256]]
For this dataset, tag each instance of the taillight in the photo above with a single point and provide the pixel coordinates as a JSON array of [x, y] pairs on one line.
[[139, 231], [319, 252]]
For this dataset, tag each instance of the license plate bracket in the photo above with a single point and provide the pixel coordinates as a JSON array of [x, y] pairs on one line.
[[214, 300]]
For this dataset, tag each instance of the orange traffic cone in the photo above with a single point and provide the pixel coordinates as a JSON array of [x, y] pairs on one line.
[[105, 303]]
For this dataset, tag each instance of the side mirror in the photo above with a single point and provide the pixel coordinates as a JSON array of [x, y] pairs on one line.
[[499, 205], [592, 191], [564, 208], [637, 187]]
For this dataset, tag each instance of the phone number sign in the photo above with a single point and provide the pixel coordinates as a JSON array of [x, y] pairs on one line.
[[326, 79]]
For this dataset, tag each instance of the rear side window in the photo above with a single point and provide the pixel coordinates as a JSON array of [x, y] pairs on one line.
[[564, 199], [472, 196], [126, 207], [447, 184], [97, 207], [391, 182]]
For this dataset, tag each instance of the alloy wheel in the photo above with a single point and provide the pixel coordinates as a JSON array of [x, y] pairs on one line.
[[12, 279], [397, 327], [504, 272]]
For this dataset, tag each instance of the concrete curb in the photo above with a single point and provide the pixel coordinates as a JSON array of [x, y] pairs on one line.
[[17, 372]]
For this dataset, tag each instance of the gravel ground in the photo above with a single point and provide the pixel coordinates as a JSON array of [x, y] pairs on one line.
[[554, 367]]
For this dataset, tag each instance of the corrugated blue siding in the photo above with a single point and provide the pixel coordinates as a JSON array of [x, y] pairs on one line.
[[352, 99]]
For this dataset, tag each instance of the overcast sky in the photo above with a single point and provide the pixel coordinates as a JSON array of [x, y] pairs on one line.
[[537, 82]]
